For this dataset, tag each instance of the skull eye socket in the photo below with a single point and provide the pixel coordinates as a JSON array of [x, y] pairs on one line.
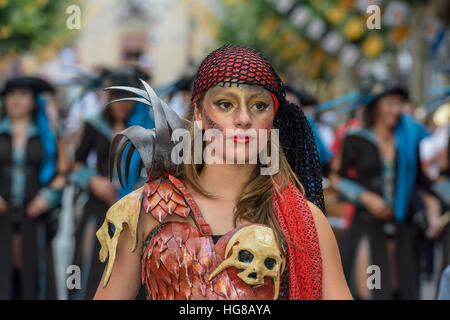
[[245, 256], [111, 229], [270, 263]]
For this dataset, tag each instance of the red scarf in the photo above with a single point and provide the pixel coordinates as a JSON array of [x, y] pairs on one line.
[[305, 262]]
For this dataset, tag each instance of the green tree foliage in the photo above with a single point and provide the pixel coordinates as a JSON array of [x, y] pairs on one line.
[[30, 24], [295, 47], [241, 23]]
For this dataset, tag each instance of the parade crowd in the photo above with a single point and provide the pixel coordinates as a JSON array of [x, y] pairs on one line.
[[386, 181]]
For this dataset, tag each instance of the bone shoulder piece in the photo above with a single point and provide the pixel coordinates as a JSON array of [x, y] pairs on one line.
[[126, 210], [160, 197]]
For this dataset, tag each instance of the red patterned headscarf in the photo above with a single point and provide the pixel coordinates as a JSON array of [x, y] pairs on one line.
[[234, 64]]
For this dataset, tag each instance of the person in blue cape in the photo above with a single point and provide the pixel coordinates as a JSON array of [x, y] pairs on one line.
[[90, 172], [380, 173], [32, 172], [307, 102]]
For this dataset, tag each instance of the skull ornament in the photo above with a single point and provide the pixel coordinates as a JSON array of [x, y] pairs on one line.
[[256, 253], [124, 211]]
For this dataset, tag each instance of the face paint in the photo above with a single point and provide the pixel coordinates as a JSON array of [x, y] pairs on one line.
[[211, 123], [237, 112]]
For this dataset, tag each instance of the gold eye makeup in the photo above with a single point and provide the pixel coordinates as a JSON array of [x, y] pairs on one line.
[[260, 106], [223, 104]]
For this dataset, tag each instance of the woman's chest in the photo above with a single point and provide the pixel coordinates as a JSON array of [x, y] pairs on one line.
[[29, 153], [100, 151], [369, 159], [386, 148], [178, 262], [219, 214]]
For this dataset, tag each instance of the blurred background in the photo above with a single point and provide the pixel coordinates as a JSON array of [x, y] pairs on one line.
[[324, 45], [324, 50]]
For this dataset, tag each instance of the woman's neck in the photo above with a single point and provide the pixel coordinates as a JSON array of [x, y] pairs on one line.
[[118, 126], [20, 121], [19, 127], [382, 130], [225, 181]]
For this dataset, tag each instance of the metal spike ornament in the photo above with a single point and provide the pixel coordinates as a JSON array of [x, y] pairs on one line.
[[159, 196], [153, 145]]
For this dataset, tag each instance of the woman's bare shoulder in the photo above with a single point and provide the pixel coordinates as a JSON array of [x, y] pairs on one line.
[[324, 231], [318, 215]]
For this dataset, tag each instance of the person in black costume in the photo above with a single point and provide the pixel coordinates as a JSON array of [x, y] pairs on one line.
[[379, 172], [32, 163], [95, 142]]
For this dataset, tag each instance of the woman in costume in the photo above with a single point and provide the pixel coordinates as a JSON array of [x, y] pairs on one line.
[[379, 173], [32, 174], [209, 230], [91, 173]]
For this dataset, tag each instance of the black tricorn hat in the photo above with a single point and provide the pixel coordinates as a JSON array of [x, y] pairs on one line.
[[304, 97], [127, 76], [376, 90], [185, 83], [35, 84]]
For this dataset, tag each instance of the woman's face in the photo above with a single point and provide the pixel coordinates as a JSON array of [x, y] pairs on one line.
[[238, 112], [122, 109], [389, 109], [19, 103]]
